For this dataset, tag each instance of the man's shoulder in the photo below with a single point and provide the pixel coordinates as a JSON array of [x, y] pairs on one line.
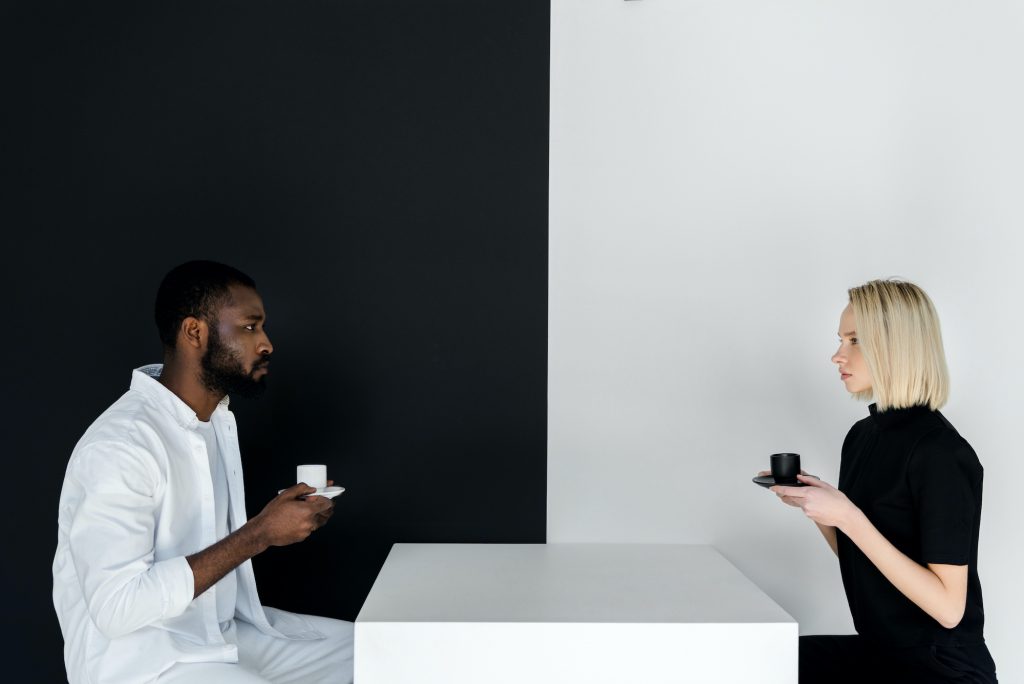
[[131, 422], [128, 445]]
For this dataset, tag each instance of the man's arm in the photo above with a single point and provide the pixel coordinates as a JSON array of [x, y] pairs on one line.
[[112, 489], [111, 532], [285, 520]]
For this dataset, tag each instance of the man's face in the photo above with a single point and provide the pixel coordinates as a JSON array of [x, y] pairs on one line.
[[237, 357]]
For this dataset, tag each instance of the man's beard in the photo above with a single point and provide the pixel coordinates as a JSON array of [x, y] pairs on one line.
[[223, 372]]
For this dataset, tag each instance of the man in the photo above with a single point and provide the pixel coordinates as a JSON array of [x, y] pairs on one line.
[[152, 580]]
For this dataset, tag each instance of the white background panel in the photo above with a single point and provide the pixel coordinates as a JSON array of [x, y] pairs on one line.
[[721, 172]]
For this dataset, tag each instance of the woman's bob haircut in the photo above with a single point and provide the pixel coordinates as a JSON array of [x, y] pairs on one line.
[[901, 341]]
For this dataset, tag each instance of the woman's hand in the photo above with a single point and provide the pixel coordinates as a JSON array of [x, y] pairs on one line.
[[766, 473], [820, 501]]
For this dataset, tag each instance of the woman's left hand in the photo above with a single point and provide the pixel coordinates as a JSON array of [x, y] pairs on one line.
[[820, 501]]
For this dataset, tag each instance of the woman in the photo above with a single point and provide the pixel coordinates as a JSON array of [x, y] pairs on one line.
[[904, 521]]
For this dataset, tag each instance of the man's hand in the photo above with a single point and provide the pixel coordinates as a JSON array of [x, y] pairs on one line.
[[288, 518], [285, 520]]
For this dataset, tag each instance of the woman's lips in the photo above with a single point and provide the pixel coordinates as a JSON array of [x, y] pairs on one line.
[[844, 376]]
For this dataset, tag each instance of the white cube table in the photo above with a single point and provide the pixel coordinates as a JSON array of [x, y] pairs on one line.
[[564, 613]]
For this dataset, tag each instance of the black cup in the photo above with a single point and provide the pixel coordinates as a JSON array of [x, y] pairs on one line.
[[785, 468]]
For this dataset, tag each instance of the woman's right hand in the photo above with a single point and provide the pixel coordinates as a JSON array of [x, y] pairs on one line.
[[766, 473]]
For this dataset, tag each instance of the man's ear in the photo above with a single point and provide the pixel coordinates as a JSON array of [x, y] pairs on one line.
[[194, 332]]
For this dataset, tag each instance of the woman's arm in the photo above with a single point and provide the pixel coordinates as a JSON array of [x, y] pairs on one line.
[[829, 533], [939, 590]]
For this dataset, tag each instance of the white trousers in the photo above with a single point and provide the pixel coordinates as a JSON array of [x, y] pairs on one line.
[[263, 659]]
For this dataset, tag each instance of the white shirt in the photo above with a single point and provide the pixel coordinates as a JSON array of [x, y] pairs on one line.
[[138, 497], [227, 586]]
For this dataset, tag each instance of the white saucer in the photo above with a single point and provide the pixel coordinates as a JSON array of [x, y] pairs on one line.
[[326, 492]]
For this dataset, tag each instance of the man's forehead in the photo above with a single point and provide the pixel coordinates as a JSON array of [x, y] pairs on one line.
[[244, 301]]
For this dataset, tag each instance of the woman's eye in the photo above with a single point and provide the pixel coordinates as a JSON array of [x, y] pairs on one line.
[[853, 340]]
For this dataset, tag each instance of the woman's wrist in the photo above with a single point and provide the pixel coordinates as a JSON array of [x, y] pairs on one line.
[[852, 522]]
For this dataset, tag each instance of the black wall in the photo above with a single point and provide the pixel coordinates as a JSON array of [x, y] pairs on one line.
[[380, 168]]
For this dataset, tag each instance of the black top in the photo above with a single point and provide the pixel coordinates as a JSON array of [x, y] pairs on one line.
[[919, 482]]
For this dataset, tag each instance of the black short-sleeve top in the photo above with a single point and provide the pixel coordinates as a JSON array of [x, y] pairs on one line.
[[919, 483]]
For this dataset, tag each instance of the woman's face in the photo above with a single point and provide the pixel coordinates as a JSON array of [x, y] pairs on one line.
[[853, 369]]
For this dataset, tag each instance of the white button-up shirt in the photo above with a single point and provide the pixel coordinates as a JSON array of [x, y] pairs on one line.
[[138, 498]]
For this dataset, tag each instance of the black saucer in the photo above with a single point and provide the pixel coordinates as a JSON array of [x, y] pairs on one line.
[[769, 481]]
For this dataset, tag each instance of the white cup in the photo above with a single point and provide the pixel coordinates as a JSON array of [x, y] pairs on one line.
[[313, 475]]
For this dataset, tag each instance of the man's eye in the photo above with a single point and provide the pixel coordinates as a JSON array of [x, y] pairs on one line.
[[251, 327]]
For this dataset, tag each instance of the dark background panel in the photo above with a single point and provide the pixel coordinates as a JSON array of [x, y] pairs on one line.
[[380, 168]]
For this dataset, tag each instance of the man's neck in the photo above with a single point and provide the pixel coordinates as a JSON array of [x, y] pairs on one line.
[[186, 385]]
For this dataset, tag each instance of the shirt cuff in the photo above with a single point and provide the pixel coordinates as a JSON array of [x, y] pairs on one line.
[[177, 585]]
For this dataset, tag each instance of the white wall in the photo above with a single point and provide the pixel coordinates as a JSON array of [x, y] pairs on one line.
[[721, 172]]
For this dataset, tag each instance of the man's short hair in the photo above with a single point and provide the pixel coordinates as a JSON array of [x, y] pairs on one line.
[[196, 289]]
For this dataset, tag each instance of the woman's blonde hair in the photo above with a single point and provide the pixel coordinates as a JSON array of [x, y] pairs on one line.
[[900, 339]]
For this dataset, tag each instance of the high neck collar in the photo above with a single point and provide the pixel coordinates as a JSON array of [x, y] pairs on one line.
[[895, 416]]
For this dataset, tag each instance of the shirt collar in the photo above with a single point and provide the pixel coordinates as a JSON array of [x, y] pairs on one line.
[[144, 380], [895, 416]]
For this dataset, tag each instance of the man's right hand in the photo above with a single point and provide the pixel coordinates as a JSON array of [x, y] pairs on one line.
[[285, 520], [288, 519]]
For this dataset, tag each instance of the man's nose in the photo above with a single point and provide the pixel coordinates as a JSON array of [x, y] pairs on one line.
[[266, 347]]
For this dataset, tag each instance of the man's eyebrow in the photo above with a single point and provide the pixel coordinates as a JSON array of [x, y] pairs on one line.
[[253, 317]]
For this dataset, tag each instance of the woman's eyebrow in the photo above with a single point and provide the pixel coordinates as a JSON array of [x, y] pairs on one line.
[[852, 333]]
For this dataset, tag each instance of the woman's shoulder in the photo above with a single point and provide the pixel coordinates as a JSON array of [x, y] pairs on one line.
[[937, 432], [942, 445], [860, 427]]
